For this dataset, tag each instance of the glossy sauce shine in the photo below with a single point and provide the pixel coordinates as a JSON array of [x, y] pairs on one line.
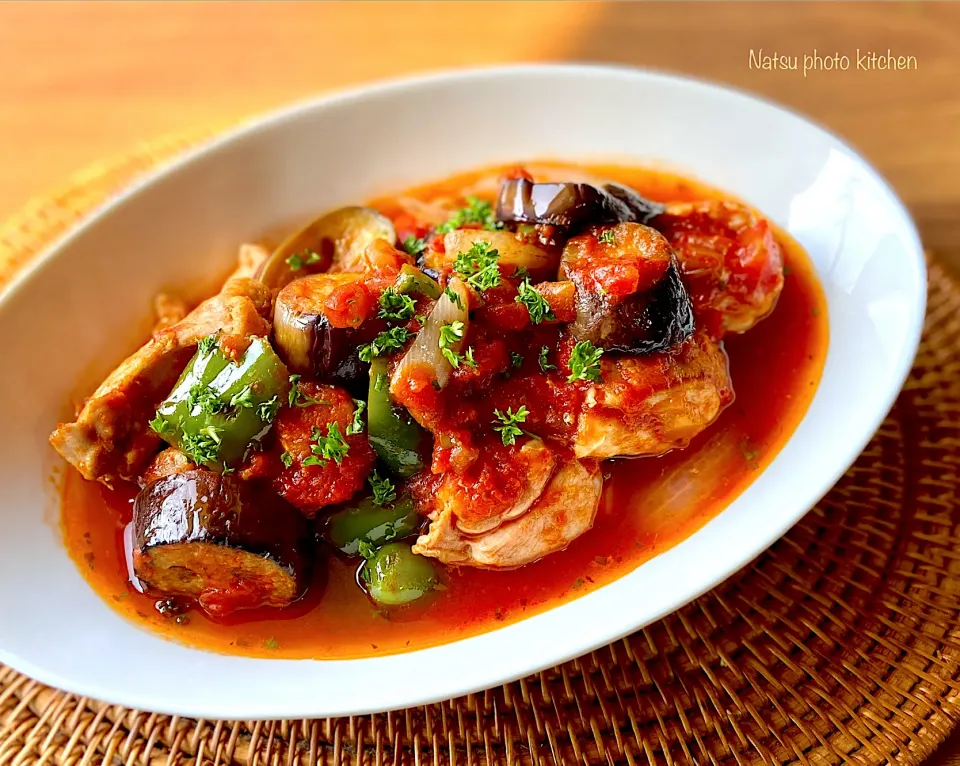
[[648, 505]]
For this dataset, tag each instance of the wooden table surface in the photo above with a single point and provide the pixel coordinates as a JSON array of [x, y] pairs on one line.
[[85, 80]]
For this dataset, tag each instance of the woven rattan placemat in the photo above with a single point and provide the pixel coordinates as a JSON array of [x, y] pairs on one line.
[[840, 643]]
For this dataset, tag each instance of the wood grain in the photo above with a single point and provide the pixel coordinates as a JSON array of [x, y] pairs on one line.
[[82, 80]]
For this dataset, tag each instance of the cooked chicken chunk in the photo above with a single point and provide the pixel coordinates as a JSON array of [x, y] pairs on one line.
[[111, 438], [564, 511], [499, 486], [647, 405], [731, 264]]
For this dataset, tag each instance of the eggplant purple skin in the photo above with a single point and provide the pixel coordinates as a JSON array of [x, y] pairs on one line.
[[204, 506], [572, 205], [335, 354], [655, 322]]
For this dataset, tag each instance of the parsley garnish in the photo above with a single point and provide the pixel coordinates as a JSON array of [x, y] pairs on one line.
[[286, 458], [479, 266], [606, 237], [450, 335], [393, 305], [206, 345], [326, 448], [476, 212], [454, 296], [383, 490], [161, 426], [296, 397], [271, 644], [380, 384], [544, 364], [521, 273], [356, 426], [203, 446], [536, 304], [391, 340], [585, 362], [509, 430], [204, 399], [516, 359], [468, 358], [366, 550], [243, 398], [267, 410], [298, 260], [414, 246]]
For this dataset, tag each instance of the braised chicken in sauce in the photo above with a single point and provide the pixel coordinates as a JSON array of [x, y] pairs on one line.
[[431, 386]]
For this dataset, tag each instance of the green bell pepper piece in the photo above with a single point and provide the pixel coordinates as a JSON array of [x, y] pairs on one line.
[[375, 525], [219, 407], [412, 280], [395, 575], [395, 436]]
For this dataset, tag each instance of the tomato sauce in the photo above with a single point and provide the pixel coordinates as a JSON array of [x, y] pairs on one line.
[[648, 505]]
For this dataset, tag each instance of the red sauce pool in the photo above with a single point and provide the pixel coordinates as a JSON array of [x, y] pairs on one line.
[[648, 506]]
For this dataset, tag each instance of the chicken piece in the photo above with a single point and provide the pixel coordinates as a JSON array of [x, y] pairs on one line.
[[648, 405], [249, 259], [110, 438], [500, 485], [564, 511], [169, 310], [731, 264], [310, 477]]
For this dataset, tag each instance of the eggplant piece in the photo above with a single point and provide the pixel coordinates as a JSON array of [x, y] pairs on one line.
[[333, 242], [643, 324], [629, 294], [572, 205], [227, 543], [307, 340]]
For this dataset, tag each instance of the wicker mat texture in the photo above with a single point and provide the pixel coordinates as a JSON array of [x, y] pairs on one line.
[[841, 643]]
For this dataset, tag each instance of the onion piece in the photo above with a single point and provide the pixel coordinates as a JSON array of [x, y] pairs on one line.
[[339, 239], [425, 350], [515, 253]]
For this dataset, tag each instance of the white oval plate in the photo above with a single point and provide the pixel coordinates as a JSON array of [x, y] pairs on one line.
[[81, 307]]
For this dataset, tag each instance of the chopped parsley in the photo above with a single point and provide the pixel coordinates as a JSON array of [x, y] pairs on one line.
[[366, 550], [204, 399], [296, 397], [393, 305], [391, 340], [271, 644], [298, 260], [161, 426], [544, 363], [606, 237], [479, 266], [356, 425], [203, 446], [450, 335], [585, 362], [383, 490], [286, 458], [536, 304], [243, 398], [468, 358], [414, 246], [326, 448], [521, 273], [516, 359], [267, 410], [454, 296], [508, 428], [476, 212], [206, 345]]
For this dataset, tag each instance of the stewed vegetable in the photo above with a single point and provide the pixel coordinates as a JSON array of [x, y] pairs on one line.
[[371, 523], [395, 575]]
